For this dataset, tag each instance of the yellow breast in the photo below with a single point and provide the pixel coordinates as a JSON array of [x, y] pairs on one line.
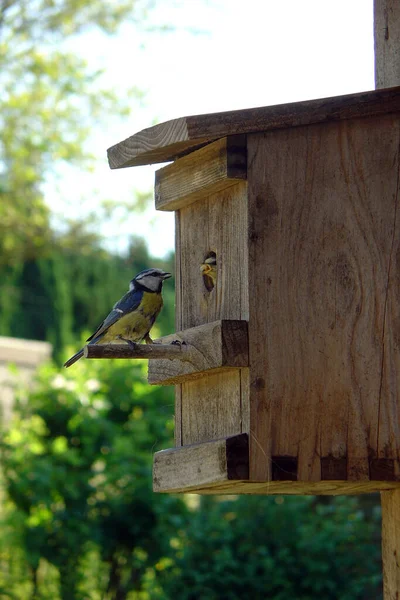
[[137, 324]]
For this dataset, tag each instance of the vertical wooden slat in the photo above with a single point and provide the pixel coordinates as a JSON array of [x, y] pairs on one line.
[[387, 74], [178, 415], [178, 317], [214, 407], [211, 407], [391, 544], [218, 223], [387, 43]]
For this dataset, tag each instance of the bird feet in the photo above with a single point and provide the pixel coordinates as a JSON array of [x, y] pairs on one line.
[[132, 345], [178, 343]]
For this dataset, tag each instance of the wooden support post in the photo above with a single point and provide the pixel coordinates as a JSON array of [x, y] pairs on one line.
[[391, 544], [387, 74], [387, 43]]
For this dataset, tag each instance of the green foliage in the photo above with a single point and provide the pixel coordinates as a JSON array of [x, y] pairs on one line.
[[50, 99], [281, 548], [77, 465], [55, 298]]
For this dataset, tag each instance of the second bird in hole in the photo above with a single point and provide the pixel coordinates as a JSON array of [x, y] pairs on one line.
[[209, 271]]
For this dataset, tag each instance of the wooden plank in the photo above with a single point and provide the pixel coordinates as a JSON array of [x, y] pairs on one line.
[[178, 304], [178, 415], [221, 466], [213, 168], [323, 348], [391, 544], [212, 462], [216, 406], [244, 394], [387, 43], [297, 488], [211, 407], [170, 140], [217, 223], [210, 347]]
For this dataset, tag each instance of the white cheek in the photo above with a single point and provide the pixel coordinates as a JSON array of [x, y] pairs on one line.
[[149, 283]]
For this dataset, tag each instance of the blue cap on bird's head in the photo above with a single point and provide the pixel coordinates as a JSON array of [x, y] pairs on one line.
[[149, 279]]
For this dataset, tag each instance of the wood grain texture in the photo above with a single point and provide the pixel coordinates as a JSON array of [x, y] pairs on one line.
[[387, 43], [221, 466], [298, 488], [199, 464], [213, 168], [213, 407], [178, 304], [391, 544], [210, 347], [178, 416], [324, 318], [167, 141], [218, 223], [150, 351]]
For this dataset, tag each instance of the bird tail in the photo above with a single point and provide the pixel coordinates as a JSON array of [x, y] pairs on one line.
[[74, 358]]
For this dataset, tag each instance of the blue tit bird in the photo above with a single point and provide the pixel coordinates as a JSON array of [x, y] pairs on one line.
[[133, 316], [209, 271]]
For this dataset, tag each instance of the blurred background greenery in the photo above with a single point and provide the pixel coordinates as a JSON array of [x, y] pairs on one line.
[[78, 516]]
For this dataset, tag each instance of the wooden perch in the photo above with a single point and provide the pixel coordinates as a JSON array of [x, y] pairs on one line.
[[215, 347], [165, 351]]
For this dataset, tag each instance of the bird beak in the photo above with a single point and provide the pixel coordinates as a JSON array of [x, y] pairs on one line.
[[205, 268], [166, 276]]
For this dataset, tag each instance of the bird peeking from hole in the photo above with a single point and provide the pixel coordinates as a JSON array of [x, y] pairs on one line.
[[209, 271], [133, 316]]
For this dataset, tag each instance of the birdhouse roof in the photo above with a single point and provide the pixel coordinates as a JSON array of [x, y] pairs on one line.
[[167, 141]]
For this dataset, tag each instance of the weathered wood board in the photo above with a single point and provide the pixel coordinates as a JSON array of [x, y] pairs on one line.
[[209, 463], [391, 543], [216, 224], [212, 347], [324, 342], [212, 169], [221, 466], [213, 407], [387, 43], [170, 140]]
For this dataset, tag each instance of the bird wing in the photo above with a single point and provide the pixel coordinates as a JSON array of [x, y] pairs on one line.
[[127, 304]]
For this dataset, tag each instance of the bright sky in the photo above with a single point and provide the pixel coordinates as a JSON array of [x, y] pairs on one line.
[[245, 54]]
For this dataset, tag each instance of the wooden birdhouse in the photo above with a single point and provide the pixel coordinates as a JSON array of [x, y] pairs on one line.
[[290, 381]]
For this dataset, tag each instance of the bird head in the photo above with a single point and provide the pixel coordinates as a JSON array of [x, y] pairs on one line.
[[150, 279], [209, 271]]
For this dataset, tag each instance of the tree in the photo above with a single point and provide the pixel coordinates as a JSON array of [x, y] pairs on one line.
[[275, 547], [50, 99], [53, 284], [77, 464]]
